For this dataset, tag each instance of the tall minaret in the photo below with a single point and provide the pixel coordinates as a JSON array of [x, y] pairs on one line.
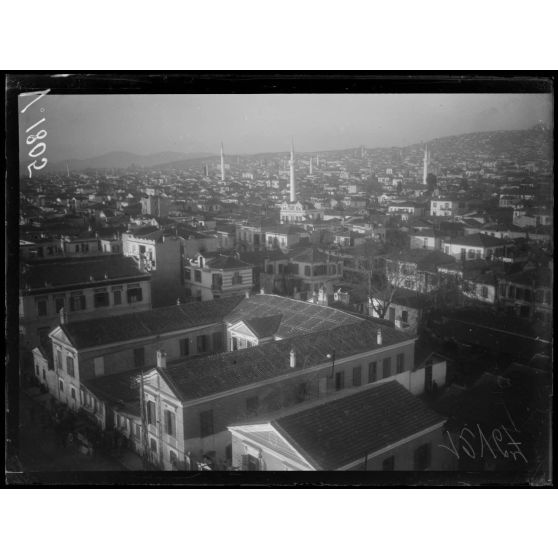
[[425, 165], [222, 164], [291, 163], [317, 160], [310, 166]]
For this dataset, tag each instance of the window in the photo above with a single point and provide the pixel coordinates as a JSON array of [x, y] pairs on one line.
[[58, 358], [404, 316], [339, 380], [77, 302], [73, 392], [422, 457], [173, 457], [206, 423], [101, 299], [150, 411], [70, 366], [216, 281], [372, 372], [236, 278], [61, 385], [400, 362], [388, 464], [134, 294], [117, 296], [42, 308], [184, 347], [252, 405], [197, 276], [202, 343], [139, 357], [59, 303], [99, 365], [217, 342], [138, 431], [153, 445], [357, 376], [386, 368], [170, 423], [187, 274], [484, 291], [307, 270]]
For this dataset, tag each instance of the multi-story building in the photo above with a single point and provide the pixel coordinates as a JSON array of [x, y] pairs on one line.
[[188, 411], [314, 436], [284, 237], [161, 254], [156, 206], [528, 294], [211, 276], [474, 247], [84, 288], [446, 207], [105, 346]]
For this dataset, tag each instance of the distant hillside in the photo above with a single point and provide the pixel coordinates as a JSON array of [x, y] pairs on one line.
[[527, 144], [124, 160]]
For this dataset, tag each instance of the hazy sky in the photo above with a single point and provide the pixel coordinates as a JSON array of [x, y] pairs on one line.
[[81, 126]]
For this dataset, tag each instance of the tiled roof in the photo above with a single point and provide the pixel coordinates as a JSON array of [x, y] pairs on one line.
[[334, 433], [478, 240], [72, 271], [426, 260], [309, 255], [298, 317], [271, 360], [127, 327], [264, 327], [226, 262]]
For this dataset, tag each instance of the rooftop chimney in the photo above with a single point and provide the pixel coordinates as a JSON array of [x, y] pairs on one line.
[[262, 291], [292, 359], [247, 294], [379, 337], [62, 316], [161, 359]]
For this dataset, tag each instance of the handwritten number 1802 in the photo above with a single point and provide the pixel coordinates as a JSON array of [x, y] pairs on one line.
[[38, 148]]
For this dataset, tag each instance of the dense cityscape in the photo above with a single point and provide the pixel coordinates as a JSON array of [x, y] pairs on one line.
[[380, 309]]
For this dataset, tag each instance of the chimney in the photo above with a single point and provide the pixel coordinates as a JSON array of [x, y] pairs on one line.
[[262, 291], [62, 316], [178, 301], [161, 359], [247, 294], [379, 337], [292, 359]]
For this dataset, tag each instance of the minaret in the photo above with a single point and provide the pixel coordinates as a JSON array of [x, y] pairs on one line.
[[222, 164], [310, 166], [425, 166], [317, 160], [291, 162]]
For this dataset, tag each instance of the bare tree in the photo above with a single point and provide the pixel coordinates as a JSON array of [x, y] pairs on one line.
[[386, 282]]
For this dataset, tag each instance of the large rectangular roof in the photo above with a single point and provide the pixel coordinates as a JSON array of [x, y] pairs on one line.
[[196, 378], [119, 329]]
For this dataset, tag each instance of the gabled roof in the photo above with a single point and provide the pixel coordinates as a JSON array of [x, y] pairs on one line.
[[225, 262], [309, 254], [238, 369], [478, 240], [335, 432], [265, 326], [127, 327]]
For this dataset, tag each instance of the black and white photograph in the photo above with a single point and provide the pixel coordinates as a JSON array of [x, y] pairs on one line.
[[246, 286]]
